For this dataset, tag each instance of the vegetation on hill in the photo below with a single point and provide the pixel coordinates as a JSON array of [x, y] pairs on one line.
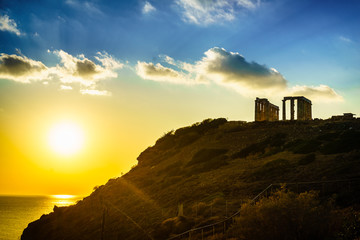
[[211, 168], [288, 215]]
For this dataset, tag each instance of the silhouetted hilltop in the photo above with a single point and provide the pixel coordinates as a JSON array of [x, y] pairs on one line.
[[210, 168]]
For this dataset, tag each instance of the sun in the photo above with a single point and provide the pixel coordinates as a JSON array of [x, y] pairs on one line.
[[66, 138]]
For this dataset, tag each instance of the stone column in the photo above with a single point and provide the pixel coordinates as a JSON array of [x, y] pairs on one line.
[[256, 110], [309, 115], [300, 109], [284, 109], [292, 108]]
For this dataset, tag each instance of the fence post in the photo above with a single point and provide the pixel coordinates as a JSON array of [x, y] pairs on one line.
[[214, 230], [202, 234]]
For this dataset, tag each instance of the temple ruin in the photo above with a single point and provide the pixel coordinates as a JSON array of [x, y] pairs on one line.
[[265, 111], [303, 109], [345, 116]]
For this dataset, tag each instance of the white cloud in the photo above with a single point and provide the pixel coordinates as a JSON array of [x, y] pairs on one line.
[[71, 70], [95, 92], [159, 73], [345, 39], [108, 61], [82, 70], [167, 59], [86, 72], [66, 87], [85, 6], [7, 24], [204, 12], [231, 70], [321, 93], [148, 8]]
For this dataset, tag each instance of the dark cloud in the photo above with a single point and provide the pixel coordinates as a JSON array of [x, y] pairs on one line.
[[15, 66], [85, 68], [159, 73], [228, 67]]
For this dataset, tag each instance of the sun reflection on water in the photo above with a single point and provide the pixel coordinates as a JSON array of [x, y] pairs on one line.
[[64, 200]]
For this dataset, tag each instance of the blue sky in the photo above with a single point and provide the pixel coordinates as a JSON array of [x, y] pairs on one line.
[[294, 37], [141, 68]]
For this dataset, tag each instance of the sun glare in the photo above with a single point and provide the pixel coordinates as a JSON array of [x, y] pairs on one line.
[[66, 138], [63, 196]]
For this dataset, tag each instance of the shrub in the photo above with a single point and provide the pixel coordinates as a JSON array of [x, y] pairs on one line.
[[202, 127], [286, 215], [174, 225], [166, 137], [350, 225]]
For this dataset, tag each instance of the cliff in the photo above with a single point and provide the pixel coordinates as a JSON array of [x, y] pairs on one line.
[[210, 168]]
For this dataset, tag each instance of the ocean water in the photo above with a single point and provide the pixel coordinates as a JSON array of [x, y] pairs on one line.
[[16, 212]]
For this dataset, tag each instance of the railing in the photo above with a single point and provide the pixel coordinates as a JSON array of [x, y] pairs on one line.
[[222, 226]]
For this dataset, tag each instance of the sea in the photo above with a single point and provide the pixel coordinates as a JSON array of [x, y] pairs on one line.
[[16, 212]]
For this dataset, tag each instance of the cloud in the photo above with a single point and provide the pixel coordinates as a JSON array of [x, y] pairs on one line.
[[20, 68], [322, 93], [219, 66], [231, 70], [148, 8], [71, 70], [85, 6], [84, 71], [95, 92], [108, 61], [81, 67], [7, 24], [202, 12], [159, 73], [65, 87], [345, 39]]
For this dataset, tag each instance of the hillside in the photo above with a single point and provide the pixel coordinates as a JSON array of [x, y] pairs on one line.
[[210, 168]]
